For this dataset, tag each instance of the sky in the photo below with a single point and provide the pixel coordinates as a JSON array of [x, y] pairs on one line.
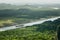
[[30, 1]]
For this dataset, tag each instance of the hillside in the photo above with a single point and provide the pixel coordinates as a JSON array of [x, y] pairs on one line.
[[25, 15], [44, 31]]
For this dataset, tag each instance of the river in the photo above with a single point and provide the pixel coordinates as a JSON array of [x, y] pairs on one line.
[[27, 24]]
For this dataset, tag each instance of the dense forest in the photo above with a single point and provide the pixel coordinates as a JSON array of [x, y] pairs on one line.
[[45, 31], [27, 13]]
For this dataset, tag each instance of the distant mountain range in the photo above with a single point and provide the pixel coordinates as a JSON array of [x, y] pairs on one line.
[[9, 6]]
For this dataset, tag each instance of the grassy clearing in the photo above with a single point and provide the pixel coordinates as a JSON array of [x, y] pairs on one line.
[[5, 22]]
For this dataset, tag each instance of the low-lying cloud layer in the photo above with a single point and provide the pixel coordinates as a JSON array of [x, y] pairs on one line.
[[29, 1]]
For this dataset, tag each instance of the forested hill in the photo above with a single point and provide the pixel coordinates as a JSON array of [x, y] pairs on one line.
[[27, 13], [44, 31], [19, 14], [9, 17]]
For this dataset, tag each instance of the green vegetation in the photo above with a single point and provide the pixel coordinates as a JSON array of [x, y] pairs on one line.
[[44, 31], [24, 15], [19, 14], [5, 23], [12, 15]]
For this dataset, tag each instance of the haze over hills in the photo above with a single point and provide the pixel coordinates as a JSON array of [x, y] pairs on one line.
[[10, 6], [11, 14]]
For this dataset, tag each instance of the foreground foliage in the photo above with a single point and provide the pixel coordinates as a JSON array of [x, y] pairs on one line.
[[44, 31]]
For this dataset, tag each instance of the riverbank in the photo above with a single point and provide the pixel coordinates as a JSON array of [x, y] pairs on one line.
[[28, 24]]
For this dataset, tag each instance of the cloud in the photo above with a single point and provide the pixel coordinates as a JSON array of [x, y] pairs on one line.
[[29, 1]]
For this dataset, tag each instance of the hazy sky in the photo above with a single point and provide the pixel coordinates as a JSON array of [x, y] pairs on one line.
[[29, 1]]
